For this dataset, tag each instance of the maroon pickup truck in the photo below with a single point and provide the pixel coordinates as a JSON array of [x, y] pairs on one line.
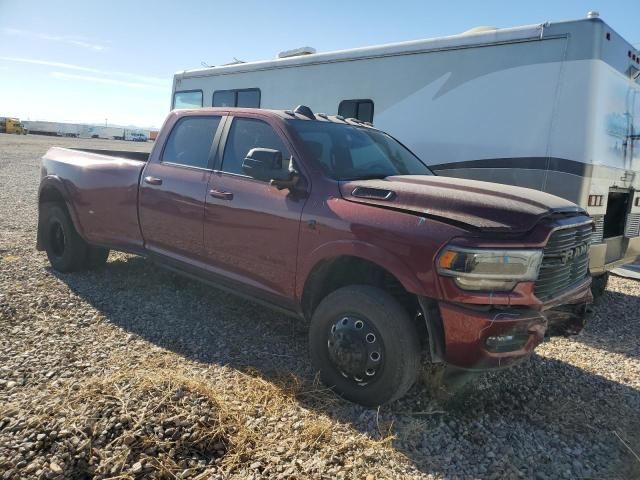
[[334, 221]]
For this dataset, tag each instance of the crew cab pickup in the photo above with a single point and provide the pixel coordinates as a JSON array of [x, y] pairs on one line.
[[334, 221]]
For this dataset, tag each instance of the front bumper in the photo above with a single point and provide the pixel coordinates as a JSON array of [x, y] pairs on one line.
[[489, 337]]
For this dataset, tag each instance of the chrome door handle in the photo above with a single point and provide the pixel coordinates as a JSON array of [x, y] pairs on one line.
[[221, 195], [153, 180]]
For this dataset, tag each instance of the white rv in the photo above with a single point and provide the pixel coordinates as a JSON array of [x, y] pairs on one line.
[[553, 106]]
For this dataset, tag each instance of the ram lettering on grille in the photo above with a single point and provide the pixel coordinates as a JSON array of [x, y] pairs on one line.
[[565, 261]]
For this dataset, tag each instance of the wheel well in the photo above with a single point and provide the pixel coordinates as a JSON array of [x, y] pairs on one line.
[[330, 275]]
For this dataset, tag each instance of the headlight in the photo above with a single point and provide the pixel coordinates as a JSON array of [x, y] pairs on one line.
[[479, 269]]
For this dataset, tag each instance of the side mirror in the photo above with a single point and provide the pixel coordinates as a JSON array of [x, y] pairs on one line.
[[265, 164]]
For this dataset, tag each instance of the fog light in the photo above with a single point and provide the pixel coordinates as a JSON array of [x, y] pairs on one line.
[[505, 343]]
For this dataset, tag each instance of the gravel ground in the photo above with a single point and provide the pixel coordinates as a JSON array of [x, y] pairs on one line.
[[132, 372]]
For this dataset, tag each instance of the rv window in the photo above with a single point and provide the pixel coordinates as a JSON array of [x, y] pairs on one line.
[[190, 141], [188, 99], [360, 109], [247, 98], [224, 98], [248, 133]]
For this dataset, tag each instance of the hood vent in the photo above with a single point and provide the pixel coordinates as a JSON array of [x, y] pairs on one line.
[[373, 193]]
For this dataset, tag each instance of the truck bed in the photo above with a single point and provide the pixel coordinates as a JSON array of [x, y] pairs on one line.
[[101, 188], [128, 154]]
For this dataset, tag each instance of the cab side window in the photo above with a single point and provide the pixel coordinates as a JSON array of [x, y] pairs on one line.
[[248, 133], [190, 141]]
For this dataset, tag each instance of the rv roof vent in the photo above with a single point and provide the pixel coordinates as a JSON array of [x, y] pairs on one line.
[[593, 14], [296, 52], [304, 111], [480, 29]]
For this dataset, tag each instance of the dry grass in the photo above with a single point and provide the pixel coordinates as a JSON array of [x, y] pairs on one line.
[[158, 418]]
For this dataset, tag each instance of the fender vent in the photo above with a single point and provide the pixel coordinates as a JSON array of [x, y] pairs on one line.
[[598, 229], [373, 193], [632, 226]]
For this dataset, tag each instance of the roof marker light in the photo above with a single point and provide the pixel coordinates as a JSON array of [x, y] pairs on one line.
[[304, 111]]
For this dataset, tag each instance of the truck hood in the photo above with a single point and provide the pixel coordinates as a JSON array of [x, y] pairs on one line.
[[482, 205]]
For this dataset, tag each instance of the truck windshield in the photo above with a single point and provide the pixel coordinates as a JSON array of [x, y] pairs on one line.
[[349, 152]]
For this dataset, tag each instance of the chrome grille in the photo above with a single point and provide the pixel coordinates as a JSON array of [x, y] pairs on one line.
[[565, 261], [598, 229], [632, 226]]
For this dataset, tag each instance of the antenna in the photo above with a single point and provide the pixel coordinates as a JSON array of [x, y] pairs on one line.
[[236, 61]]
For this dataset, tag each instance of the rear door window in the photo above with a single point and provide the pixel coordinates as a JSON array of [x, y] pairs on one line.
[[187, 99], [248, 133], [190, 142]]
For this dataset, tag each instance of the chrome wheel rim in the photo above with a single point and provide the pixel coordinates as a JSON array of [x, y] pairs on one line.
[[355, 349]]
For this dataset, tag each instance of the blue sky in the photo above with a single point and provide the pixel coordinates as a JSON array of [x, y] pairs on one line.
[[87, 60]]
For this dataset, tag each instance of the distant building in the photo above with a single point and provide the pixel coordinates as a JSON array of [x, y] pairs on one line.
[[78, 130]]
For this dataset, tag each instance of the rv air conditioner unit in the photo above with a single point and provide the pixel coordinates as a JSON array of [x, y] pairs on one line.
[[296, 52]]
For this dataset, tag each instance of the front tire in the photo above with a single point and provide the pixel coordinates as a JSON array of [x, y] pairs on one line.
[[365, 345], [599, 285]]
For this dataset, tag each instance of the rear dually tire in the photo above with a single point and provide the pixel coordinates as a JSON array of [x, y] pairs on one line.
[[66, 250]]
